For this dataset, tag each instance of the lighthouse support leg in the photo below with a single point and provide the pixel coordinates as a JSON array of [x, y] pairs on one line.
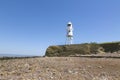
[[69, 40]]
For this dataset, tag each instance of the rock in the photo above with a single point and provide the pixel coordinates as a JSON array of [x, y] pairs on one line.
[[100, 67]]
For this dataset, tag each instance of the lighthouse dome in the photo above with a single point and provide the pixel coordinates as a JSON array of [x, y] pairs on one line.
[[69, 24]]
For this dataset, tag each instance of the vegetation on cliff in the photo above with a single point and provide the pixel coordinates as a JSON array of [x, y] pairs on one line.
[[82, 49]]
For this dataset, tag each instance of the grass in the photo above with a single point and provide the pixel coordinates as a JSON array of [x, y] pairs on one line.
[[82, 49]]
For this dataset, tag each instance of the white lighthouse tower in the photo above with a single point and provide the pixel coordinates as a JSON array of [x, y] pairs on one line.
[[69, 33]]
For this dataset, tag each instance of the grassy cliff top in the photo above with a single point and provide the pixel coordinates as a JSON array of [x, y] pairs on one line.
[[82, 49]]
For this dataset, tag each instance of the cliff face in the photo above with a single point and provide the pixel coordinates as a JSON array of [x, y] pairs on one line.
[[82, 49]]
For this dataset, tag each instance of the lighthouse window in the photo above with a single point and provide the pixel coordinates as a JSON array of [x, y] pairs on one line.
[[69, 25]]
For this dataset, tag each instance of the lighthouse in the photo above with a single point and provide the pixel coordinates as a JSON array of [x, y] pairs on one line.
[[69, 35]]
